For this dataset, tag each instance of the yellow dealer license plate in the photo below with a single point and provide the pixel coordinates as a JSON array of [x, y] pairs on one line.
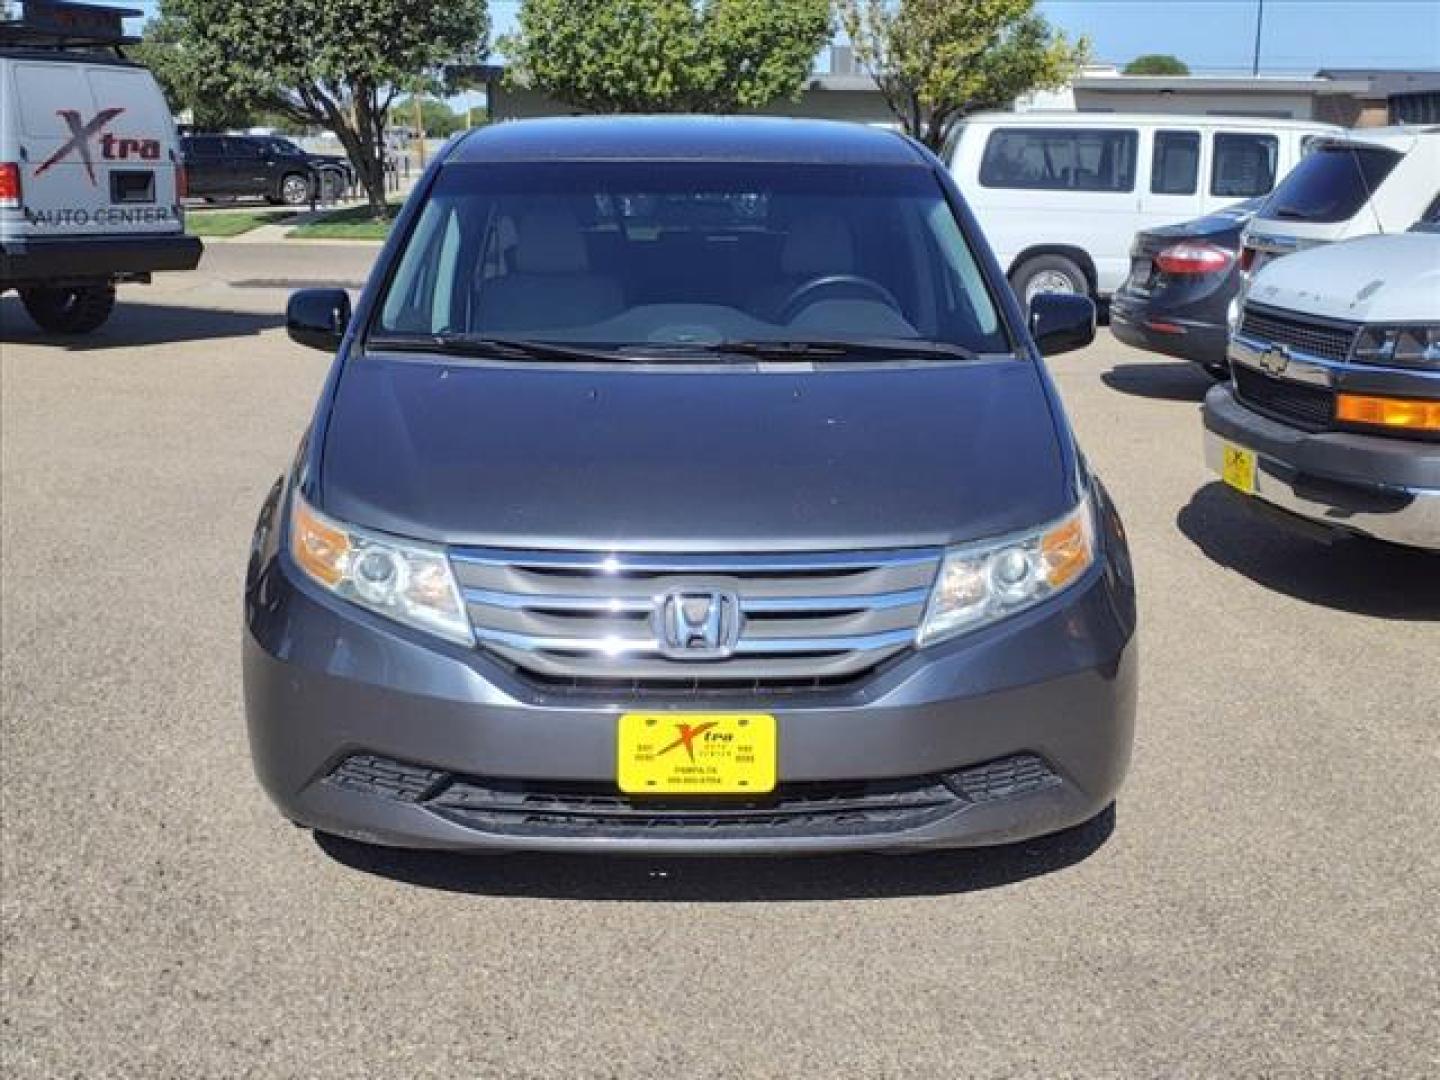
[[696, 753], [1238, 468]]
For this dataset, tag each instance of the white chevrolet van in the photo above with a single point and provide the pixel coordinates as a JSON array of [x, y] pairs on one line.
[[1061, 195], [90, 174]]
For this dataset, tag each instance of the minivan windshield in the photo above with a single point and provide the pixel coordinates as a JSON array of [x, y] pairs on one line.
[[677, 256], [1331, 183]]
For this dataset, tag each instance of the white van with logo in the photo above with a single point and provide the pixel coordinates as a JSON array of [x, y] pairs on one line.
[[1061, 195], [90, 177]]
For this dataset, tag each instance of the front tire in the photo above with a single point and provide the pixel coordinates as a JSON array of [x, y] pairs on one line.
[[294, 190], [1048, 274], [77, 310]]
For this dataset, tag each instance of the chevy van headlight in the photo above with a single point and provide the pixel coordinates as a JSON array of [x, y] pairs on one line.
[[1399, 346], [981, 583], [409, 582]]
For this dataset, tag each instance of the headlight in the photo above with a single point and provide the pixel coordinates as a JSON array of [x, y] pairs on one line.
[[1399, 346], [981, 583], [402, 580]]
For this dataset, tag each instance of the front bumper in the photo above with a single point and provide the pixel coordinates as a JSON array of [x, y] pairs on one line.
[[328, 686], [55, 260], [1375, 485]]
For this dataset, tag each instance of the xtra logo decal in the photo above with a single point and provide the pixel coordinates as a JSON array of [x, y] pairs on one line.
[[83, 132], [80, 136], [686, 738]]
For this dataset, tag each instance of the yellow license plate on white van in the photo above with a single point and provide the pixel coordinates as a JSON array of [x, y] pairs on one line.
[[1237, 468], [670, 753]]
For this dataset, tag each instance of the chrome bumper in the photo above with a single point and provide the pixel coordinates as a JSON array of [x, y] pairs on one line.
[[1410, 516]]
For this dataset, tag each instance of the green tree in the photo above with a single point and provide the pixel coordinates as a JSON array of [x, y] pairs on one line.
[[667, 55], [437, 117], [337, 64], [1157, 64], [937, 61], [160, 50]]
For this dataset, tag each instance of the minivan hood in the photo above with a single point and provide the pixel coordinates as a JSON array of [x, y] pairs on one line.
[[1374, 279], [530, 455]]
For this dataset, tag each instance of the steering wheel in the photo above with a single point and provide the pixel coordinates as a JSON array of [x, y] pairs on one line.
[[804, 294]]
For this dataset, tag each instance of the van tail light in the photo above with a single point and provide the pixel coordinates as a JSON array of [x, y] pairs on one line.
[[182, 182], [9, 185], [1247, 260], [1189, 258]]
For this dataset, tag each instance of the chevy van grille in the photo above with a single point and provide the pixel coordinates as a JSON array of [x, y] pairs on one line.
[[1309, 407], [1322, 338], [572, 619]]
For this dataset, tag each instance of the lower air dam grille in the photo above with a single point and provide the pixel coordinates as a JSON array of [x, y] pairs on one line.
[[808, 808]]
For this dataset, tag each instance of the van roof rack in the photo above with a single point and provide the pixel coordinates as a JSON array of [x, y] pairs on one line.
[[60, 24]]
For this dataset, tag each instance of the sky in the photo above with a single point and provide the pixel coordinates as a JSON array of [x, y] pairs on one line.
[[1297, 35], [1219, 35]]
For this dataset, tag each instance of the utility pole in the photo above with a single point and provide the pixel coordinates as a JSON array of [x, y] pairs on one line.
[[1259, 24]]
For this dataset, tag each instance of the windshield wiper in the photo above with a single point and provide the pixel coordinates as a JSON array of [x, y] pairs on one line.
[[456, 344], [1289, 213], [830, 349]]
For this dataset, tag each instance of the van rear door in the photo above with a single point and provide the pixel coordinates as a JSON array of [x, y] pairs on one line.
[[97, 150]]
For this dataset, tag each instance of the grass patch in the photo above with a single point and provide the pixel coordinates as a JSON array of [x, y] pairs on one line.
[[230, 222], [352, 223]]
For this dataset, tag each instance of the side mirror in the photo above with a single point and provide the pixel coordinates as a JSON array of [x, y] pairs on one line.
[[1061, 322], [317, 318]]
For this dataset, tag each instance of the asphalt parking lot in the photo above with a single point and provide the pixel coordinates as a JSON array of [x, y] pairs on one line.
[[1261, 903]]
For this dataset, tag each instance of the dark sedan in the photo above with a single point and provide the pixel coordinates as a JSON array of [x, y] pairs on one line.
[[1182, 281]]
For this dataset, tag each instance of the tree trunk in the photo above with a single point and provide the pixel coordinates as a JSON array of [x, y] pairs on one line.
[[363, 139]]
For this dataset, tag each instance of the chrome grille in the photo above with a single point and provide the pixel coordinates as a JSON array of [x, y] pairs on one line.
[[1323, 338], [578, 618]]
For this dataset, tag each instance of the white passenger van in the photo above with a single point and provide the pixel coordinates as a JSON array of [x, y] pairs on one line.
[[90, 176], [1061, 195]]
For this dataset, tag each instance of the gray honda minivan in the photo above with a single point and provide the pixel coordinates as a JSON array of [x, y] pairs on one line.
[[688, 485]]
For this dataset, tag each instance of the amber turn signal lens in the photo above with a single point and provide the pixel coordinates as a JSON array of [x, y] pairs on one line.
[[317, 546], [1067, 551], [1405, 414]]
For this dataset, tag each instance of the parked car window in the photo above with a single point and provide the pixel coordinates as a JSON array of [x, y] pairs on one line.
[[1331, 183], [621, 253], [1060, 159], [202, 147], [1430, 219], [1175, 166], [1244, 164], [244, 148]]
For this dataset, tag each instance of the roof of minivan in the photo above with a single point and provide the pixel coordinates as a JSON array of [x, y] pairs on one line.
[[682, 138], [1065, 117], [1399, 137]]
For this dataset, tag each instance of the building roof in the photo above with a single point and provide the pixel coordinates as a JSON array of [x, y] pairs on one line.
[[1221, 84], [681, 138], [1385, 82]]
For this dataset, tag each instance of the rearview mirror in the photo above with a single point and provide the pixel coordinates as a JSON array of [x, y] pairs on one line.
[[1061, 322], [317, 318]]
